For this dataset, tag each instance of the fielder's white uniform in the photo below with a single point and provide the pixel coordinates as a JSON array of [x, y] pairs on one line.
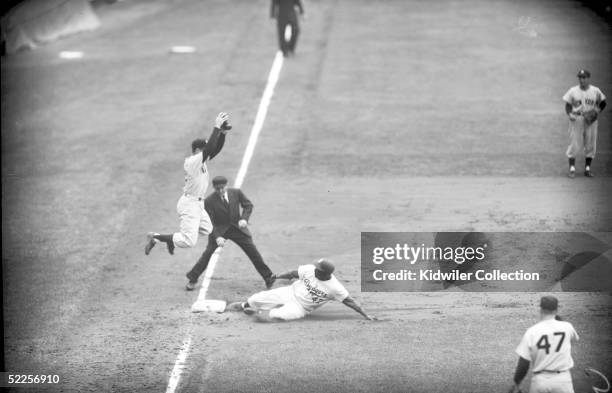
[[190, 206], [300, 298], [548, 345], [580, 133]]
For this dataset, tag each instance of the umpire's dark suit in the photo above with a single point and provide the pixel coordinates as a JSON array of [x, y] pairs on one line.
[[225, 219]]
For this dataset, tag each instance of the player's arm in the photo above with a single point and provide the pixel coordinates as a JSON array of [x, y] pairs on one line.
[[300, 7], [288, 275], [602, 105], [350, 302], [217, 138], [247, 206], [273, 9], [522, 366]]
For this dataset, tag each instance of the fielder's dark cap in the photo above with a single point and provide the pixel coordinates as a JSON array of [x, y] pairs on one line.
[[198, 144], [583, 74], [549, 303], [325, 266], [219, 181]]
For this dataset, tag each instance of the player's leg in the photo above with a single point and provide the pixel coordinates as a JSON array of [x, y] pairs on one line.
[[289, 311], [154, 237], [590, 146], [190, 217], [267, 300], [197, 270], [575, 143], [295, 32], [206, 225], [283, 42], [246, 244]]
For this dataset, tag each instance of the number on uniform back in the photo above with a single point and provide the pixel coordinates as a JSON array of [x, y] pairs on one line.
[[544, 344]]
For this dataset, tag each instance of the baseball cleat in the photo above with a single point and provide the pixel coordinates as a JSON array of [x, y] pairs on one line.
[[191, 285], [572, 172], [170, 246], [235, 306], [270, 281], [248, 310], [588, 174], [150, 242], [263, 316]]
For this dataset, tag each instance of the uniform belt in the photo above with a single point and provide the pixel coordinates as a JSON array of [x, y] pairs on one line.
[[192, 197], [548, 371]]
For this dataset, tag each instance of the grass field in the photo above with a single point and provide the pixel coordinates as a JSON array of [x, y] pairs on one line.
[[405, 116]]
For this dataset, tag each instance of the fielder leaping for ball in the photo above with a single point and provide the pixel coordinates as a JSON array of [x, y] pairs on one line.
[[315, 286], [190, 206]]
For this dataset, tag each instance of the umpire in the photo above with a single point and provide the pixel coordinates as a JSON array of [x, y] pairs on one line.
[[223, 207]]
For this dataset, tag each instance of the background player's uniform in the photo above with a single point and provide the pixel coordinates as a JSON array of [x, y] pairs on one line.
[[284, 12], [301, 298], [582, 135], [547, 345]]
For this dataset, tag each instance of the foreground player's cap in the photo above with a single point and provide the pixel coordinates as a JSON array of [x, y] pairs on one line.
[[549, 303], [219, 181], [583, 74], [325, 266]]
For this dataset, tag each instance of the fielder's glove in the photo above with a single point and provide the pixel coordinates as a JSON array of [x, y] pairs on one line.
[[590, 116], [222, 121]]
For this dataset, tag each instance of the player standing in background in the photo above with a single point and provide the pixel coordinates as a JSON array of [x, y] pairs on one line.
[[284, 12], [190, 206], [547, 345], [580, 99]]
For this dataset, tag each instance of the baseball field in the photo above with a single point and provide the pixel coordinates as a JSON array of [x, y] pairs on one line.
[[393, 116]]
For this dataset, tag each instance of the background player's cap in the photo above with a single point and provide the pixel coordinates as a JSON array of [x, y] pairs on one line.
[[219, 181], [325, 266], [584, 74], [549, 303]]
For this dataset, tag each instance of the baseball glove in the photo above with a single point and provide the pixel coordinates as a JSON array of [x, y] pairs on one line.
[[590, 116]]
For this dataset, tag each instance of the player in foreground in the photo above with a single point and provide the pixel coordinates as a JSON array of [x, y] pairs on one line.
[[315, 286], [547, 345], [190, 206]]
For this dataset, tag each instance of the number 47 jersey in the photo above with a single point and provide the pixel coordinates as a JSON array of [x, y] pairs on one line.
[[548, 345]]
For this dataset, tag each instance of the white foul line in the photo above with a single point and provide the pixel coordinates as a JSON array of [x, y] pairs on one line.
[[259, 119], [179, 365], [277, 65]]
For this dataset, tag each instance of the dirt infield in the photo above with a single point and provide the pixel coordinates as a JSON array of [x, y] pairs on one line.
[[400, 116]]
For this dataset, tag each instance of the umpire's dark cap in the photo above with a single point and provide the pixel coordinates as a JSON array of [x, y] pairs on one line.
[[325, 266], [583, 74], [549, 303], [219, 181]]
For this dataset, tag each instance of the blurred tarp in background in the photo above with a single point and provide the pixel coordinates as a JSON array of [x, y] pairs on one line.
[[31, 23]]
